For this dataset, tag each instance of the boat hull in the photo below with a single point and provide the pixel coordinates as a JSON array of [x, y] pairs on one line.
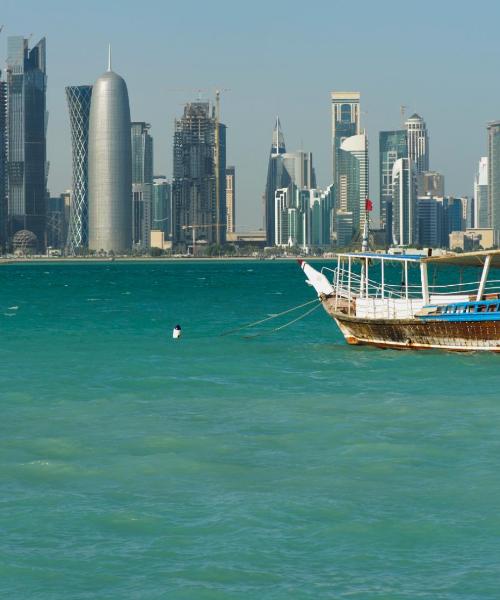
[[457, 336]]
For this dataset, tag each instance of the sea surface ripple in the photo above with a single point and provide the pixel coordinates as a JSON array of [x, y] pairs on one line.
[[218, 467]]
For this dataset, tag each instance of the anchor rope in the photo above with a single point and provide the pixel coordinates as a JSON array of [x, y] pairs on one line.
[[285, 312], [286, 324]]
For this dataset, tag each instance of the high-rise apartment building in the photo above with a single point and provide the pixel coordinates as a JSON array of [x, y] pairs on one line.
[[494, 176], [418, 143], [110, 165], [78, 98], [195, 205], [161, 212], [346, 122], [393, 145], [142, 184], [352, 177], [231, 199], [404, 203], [26, 134], [481, 213]]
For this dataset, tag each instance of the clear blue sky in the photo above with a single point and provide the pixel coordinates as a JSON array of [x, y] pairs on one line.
[[441, 59]]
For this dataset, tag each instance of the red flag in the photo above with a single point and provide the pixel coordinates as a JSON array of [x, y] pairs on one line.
[[368, 205]]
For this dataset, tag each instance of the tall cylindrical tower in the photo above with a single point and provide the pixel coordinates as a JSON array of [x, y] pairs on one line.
[[110, 166]]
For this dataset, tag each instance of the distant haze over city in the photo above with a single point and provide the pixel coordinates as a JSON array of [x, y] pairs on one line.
[[437, 59]]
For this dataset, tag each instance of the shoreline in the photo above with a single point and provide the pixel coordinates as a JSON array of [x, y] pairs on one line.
[[132, 259]]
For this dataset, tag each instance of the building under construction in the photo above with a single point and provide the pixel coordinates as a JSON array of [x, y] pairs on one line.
[[199, 177]]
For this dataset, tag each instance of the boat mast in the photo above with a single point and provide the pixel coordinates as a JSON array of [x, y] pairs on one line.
[[364, 248], [484, 278], [366, 230]]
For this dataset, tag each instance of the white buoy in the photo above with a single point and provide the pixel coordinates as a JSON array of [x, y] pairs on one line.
[[177, 332]]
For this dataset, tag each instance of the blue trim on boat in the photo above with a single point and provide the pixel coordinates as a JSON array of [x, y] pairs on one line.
[[484, 310]]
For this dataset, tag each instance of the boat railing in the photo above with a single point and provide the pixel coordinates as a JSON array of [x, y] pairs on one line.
[[350, 285], [469, 287], [351, 282], [354, 292]]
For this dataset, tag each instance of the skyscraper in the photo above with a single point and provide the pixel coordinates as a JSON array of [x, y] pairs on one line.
[[277, 178], [109, 167], [78, 98], [481, 216], [58, 211], [346, 122], [352, 177], [285, 169], [27, 123], [404, 203], [430, 222], [303, 217], [231, 199], [418, 143], [392, 146], [3, 162], [194, 187], [299, 166], [494, 176], [142, 184], [161, 213]]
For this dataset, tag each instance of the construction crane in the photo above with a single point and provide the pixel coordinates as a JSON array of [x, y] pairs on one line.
[[207, 226]]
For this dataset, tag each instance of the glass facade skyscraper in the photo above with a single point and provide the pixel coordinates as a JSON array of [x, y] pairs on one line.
[[481, 216], [494, 176], [194, 198], [277, 178], [404, 203], [285, 169], [161, 213], [142, 184], [346, 122], [352, 177], [78, 98], [392, 146], [26, 132]]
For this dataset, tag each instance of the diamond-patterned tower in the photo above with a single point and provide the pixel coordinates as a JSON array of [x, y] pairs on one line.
[[78, 98]]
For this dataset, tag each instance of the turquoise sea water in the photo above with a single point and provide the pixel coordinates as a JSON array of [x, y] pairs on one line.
[[287, 466]]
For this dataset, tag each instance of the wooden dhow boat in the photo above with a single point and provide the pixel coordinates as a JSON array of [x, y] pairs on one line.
[[386, 300]]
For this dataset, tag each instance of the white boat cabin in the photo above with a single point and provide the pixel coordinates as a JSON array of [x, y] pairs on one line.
[[385, 286]]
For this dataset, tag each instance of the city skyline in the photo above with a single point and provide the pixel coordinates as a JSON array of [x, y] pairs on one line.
[[256, 91]]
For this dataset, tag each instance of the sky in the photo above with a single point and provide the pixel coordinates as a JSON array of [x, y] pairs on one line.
[[440, 59]]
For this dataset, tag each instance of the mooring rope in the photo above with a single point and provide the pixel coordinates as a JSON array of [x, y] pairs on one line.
[[286, 324], [285, 312]]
